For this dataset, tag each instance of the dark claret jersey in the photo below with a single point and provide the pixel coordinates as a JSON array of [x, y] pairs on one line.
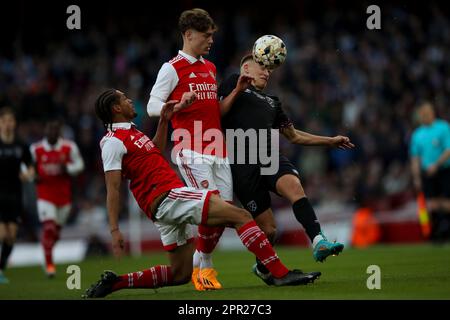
[[253, 109], [11, 157]]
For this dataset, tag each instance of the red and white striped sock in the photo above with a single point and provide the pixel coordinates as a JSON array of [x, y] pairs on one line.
[[208, 237], [48, 239], [155, 277], [207, 240], [256, 241]]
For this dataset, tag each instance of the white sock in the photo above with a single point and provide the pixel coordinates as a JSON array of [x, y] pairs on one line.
[[196, 259], [316, 240], [206, 260]]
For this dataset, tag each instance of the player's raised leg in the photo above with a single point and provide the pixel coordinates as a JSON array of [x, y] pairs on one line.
[[254, 239], [289, 187], [210, 236], [197, 172]]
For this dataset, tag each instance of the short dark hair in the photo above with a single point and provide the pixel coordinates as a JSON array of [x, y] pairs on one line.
[[7, 110], [197, 19], [103, 106], [246, 58]]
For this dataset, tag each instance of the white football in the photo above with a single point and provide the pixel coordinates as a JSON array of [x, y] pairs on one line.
[[269, 51]]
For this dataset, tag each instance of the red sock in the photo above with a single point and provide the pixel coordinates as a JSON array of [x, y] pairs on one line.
[[48, 239], [208, 237], [155, 277], [256, 241]]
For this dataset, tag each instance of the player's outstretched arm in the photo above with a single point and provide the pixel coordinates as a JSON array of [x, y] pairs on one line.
[[243, 83], [303, 138], [113, 180], [166, 114]]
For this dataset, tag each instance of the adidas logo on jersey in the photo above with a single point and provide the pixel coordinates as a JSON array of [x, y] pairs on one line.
[[192, 75]]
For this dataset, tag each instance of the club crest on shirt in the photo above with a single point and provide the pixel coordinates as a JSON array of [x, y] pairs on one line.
[[212, 74], [252, 206], [271, 101], [205, 184]]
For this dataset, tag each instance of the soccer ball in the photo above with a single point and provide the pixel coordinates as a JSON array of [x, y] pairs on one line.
[[269, 51]]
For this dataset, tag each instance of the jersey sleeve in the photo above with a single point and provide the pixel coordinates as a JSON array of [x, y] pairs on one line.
[[113, 151], [227, 86], [76, 164], [281, 119], [166, 82]]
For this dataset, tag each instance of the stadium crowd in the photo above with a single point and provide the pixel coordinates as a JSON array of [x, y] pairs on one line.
[[339, 78]]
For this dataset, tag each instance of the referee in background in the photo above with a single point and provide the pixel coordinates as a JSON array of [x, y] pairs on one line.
[[430, 164]]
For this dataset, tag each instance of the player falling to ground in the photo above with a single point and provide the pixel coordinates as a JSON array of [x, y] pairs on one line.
[[254, 109], [162, 196], [56, 161], [430, 164], [202, 163], [16, 166]]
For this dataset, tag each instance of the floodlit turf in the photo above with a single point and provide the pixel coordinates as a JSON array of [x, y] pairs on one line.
[[407, 272]]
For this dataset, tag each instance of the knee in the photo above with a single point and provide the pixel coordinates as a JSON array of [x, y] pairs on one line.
[[291, 188]]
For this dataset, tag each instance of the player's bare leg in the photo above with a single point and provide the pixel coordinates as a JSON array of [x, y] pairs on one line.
[[290, 187]]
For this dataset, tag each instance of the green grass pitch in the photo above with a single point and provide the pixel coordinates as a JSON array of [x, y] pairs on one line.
[[407, 272]]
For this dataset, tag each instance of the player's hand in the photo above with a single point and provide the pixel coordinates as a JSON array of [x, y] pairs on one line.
[[186, 100], [27, 175], [167, 110], [341, 142], [118, 244], [244, 82], [431, 171]]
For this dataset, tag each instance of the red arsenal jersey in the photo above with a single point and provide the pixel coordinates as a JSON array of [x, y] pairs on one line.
[[129, 150], [202, 118], [54, 165]]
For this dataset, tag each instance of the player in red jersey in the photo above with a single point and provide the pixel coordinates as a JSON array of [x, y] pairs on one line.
[[173, 207], [201, 154], [56, 160]]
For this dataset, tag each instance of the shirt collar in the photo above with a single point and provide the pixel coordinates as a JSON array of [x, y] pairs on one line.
[[122, 125], [190, 58]]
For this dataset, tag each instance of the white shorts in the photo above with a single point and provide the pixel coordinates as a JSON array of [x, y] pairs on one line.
[[175, 216], [207, 172], [49, 211]]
